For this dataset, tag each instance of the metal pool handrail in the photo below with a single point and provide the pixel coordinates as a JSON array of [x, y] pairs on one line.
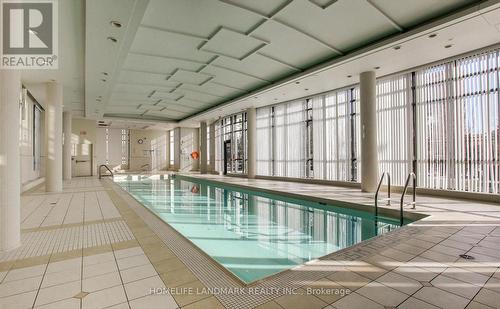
[[414, 176], [100, 174], [388, 192]]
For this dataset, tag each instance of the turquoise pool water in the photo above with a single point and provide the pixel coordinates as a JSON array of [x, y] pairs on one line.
[[252, 234]]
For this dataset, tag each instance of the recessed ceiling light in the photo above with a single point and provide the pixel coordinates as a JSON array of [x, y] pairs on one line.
[[105, 73], [432, 35], [275, 99], [112, 39], [103, 80], [397, 47], [349, 76], [377, 67], [306, 89], [297, 83], [116, 24], [255, 97], [448, 46]]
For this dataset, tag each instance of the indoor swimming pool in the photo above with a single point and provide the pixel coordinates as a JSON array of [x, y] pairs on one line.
[[252, 234]]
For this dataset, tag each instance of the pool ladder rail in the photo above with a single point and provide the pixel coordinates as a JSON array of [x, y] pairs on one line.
[[411, 175], [109, 170]]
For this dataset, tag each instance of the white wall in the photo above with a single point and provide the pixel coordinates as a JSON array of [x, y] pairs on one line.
[[189, 140], [84, 132], [141, 155], [114, 152]]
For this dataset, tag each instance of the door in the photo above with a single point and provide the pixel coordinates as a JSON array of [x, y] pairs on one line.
[[81, 161], [227, 155]]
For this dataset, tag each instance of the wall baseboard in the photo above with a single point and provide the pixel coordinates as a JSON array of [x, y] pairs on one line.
[[31, 184]]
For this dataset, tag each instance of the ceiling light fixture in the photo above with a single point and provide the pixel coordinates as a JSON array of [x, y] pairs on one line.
[[377, 67], [432, 35], [105, 73], [306, 89], [104, 80], [349, 76], [112, 39], [116, 24], [297, 83], [397, 47], [448, 46]]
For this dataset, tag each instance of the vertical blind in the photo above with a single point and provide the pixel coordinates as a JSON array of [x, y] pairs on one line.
[[442, 118], [333, 118], [394, 127], [458, 124]]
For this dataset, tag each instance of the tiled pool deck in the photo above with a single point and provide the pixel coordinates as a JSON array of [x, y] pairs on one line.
[[93, 246]]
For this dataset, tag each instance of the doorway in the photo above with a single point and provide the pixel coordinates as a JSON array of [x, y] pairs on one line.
[[81, 161]]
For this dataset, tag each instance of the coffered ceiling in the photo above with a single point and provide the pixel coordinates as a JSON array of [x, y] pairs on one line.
[[172, 59]]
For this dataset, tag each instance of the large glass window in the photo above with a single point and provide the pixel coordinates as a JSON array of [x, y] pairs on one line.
[[172, 147], [310, 138], [395, 127], [208, 145], [125, 147], [234, 146], [37, 137], [458, 124], [440, 121]]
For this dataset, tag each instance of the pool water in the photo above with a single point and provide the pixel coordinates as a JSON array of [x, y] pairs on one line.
[[252, 234]]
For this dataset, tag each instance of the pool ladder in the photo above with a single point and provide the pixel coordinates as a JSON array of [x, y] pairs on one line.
[[411, 175], [101, 174]]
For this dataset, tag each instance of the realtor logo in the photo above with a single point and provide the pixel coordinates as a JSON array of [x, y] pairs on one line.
[[29, 34]]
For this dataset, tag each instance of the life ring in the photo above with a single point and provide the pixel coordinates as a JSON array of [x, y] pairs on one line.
[[195, 189], [195, 155]]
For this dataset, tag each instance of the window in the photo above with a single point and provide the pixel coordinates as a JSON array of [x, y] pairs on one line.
[[234, 137], [395, 127], [37, 137], [125, 146], [208, 145], [336, 148], [219, 159], [458, 124], [312, 138], [171, 142]]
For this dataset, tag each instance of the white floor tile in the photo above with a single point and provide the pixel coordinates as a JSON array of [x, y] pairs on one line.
[[124, 253], [104, 298], [441, 298], [98, 259], [57, 278], [133, 261], [20, 286], [154, 301], [57, 293], [24, 300], [101, 282], [70, 303], [23, 273], [137, 273], [143, 287], [64, 265], [99, 269]]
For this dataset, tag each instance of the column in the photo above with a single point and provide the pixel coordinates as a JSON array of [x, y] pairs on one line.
[[251, 142], [10, 166], [53, 138], [67, 146], [368, 111], [212, 148], [203, 147]]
